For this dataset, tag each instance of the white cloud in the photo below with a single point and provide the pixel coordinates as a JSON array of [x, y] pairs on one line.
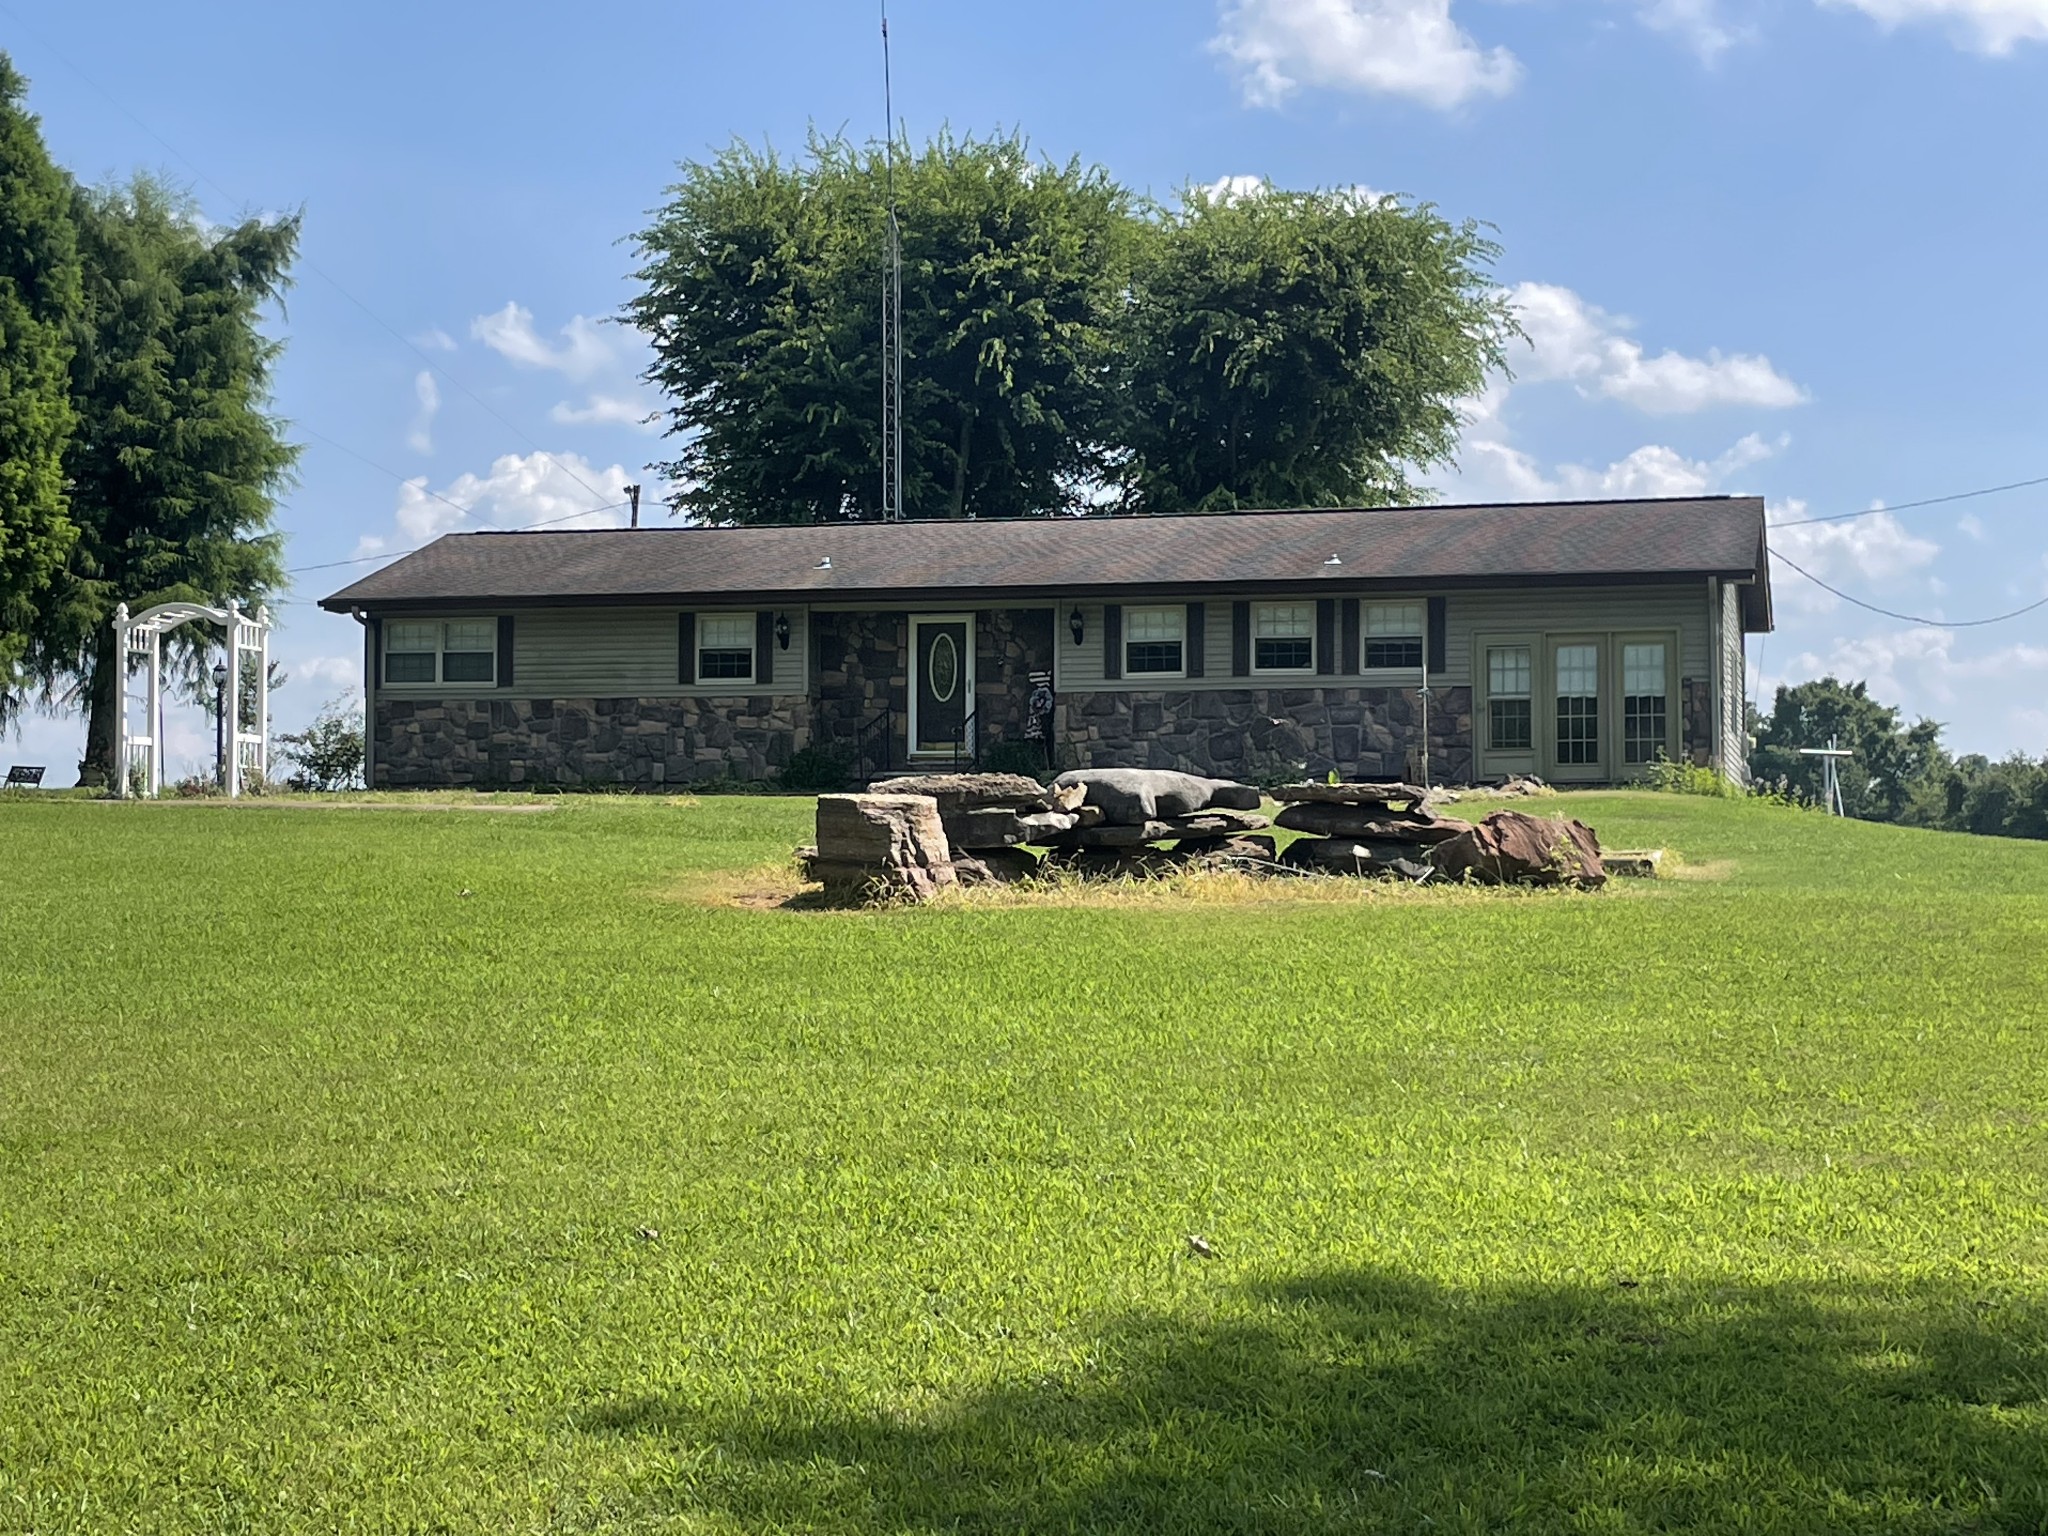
[[336, 671], [1878, 549], [1971, 526], [1572, 339], [428, 393], [1918, 664], [518, 492], [1989, 26], [606, 410], [1652, 470], [584, 349], [1407, 48], [1226, 189], [435, 340], [1701, 25]]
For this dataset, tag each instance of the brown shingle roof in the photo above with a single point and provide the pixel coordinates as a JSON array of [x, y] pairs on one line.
[[1523, 543]]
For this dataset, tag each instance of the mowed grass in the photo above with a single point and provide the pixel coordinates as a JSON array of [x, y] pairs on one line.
[[413, 1170]]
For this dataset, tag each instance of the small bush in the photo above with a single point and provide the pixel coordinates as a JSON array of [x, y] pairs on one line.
[[1686, 777], [329, 752], [1021, 757], [820, 769]]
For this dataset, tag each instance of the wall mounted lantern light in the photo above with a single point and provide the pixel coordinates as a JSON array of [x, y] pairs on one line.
[[1074, 622], [782, 630]]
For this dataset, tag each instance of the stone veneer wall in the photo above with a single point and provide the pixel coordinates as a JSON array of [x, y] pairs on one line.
[[863, 667], [638, 743], [1261, 733], [1010, 644], [1697, 742]]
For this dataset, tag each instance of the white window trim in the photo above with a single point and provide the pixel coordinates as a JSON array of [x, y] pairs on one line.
[[1180, 613], [1310, 637], [1366, 637], [439, 680], [752, 647]]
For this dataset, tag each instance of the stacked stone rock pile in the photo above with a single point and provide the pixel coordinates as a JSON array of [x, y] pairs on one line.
[[1363, 829], [1140, 810], [914, 836], [988, 816]]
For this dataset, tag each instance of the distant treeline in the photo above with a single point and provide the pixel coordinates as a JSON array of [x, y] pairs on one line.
[[1900, 772]]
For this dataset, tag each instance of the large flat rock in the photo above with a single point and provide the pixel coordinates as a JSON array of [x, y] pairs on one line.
[[1512, 848], [969, 791], [1350, 794], [1132, 795], [1378, 823]]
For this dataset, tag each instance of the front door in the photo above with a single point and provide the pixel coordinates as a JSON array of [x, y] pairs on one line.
[[942, 692], [1579, 748]]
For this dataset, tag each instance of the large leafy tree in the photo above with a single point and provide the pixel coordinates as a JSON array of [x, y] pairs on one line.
[[176, 462], [39, 304], [1303, 349], [761, 295], [1893, 760]]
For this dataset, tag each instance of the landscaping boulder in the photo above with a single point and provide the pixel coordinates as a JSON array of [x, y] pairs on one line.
[[1372, 822], [1203, 826], [996, 826], [1134, 795], [882, 845], [994, 866], [1513, 848], [958, 792], [1351, 794]]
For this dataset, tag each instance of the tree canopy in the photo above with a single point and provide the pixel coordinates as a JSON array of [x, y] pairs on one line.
[[1303, 349], [176, 461], [1067, 344], [39, 306]]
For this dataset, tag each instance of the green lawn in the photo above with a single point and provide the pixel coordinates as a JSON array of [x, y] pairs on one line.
[[413, 1170]]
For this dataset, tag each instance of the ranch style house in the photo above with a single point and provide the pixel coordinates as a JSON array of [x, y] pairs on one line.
[[1578, 641]]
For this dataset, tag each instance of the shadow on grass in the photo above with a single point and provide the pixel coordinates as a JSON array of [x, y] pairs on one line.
[[1374, 1402]]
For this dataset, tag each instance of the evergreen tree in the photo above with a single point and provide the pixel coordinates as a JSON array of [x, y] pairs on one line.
[[39, 305], [176, 462]]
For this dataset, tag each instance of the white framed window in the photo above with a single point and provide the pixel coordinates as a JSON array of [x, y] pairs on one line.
[[1283, 637], [1645, 711], [725, 648], [1394, 636], [1155, 642], [1510, 710], [444, 651]]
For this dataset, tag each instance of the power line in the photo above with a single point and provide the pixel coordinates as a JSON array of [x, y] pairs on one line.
[[1907, 506], [393, 554], [308, 261], [1908, 618]]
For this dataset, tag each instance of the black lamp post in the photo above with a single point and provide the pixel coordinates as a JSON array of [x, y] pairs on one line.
[[220, 716]]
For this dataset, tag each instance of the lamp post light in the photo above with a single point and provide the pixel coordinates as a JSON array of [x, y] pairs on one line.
[[220, 715]]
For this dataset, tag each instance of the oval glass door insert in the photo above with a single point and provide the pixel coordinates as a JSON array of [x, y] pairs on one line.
[[945, 668]]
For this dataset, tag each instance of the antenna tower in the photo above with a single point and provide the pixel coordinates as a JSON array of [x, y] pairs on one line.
[[892, 311]]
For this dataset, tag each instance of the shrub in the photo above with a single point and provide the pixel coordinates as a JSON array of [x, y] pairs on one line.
[[329, 752], [1020, 757], [1685, 777], [822, 769]]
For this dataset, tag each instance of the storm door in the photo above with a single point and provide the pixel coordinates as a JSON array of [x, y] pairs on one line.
[[942, 691]]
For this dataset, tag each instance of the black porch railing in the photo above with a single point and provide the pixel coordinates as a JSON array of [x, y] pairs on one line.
[[967, 741], [874, 747]]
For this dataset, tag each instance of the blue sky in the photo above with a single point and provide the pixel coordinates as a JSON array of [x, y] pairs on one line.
[[1782, 248]]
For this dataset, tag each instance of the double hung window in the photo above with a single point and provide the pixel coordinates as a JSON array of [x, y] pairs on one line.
[[1510, 717], [1644, 702], [1155, 642], [725, 648], [1283, 637], [1393, 636]]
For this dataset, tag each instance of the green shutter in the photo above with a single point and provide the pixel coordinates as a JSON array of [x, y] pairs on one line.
[[764, 648], [1194, 660], [1240, 639], [686, 648], [1112, 640]]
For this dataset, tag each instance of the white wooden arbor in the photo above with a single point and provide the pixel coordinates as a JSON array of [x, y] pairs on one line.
[[248, 751]]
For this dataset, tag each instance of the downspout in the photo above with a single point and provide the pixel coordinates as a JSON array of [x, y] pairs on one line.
[[369, 698]]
